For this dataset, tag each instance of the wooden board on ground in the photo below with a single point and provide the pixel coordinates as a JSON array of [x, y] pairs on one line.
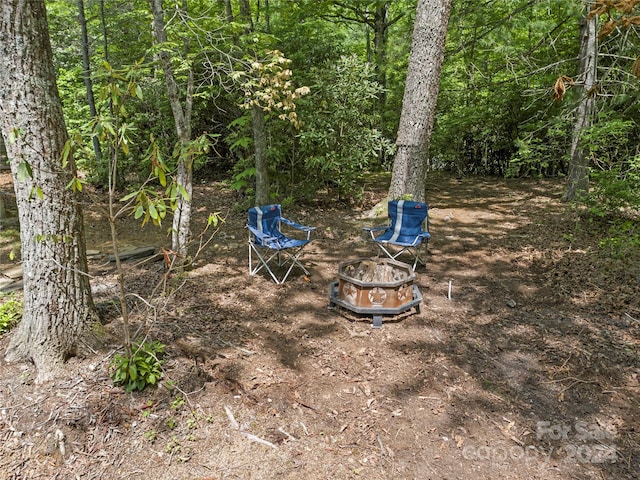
[[140, 252]]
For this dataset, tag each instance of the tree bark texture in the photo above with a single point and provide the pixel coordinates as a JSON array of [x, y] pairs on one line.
[[263, 194], [420, 99], [578, 175], [182, 119], [57, 295]]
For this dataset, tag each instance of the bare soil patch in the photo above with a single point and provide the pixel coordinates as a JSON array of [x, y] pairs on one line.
[[529, 370]]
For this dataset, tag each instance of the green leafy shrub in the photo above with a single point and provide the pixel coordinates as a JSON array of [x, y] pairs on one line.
[[541, 150], [614, 199], [10, 312], [140, 369], [611, 140], [340, 139], [622, 241], [615, 191]]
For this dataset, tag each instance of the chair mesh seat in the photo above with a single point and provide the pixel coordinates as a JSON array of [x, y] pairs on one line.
[[408, 229], [272, 246]]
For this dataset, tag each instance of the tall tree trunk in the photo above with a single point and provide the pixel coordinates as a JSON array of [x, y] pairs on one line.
[[182, 120], [263, 194], [267, 17], [105, 38], [578, 175], [259, 131], [245, 15], [88, 82], [381, 22], [420, 98], [228, 10], [57, 295]]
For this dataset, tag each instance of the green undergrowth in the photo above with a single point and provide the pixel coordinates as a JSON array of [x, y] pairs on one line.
[[140, 369], [10, 312]]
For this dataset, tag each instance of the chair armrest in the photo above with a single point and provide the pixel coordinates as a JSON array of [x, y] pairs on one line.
[[375, 229], [297, 225], [372, 230], [260, 235], [421, 237]]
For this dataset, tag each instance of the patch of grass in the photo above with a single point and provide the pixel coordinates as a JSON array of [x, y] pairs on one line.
[[10, 312]]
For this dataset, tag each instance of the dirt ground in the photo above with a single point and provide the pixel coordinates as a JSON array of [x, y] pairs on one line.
[[522, 363]]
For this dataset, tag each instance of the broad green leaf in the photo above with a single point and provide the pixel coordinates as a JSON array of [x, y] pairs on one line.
[[241, 142], [24, 171], [183, 193], [153, 212], [162, 209], [66, 152], [129, 196], [75, 185]]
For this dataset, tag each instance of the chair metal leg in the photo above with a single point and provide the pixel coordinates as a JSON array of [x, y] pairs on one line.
[[281, 259], [413, 251], [263, 264], [293, 258]]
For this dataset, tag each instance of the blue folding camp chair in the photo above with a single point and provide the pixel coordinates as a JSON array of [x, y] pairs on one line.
[[271, 246], [407, 232]]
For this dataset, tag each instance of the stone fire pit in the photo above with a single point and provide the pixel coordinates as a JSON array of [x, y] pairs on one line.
[[376, 287]]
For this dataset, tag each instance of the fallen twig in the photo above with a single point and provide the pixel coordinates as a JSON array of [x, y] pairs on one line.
[[632, 318], [254, 438], [573, 379], [231, 418], [250, 436], [382, 449], [288, 435]]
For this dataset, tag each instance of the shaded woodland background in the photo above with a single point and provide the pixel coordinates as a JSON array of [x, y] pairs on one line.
[[496, 113]]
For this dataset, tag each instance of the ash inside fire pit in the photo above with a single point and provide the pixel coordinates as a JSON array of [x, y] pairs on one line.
[[371, 271], [375, 286]]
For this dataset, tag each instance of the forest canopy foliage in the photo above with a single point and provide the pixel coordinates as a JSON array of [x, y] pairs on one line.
[[497, 114]]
